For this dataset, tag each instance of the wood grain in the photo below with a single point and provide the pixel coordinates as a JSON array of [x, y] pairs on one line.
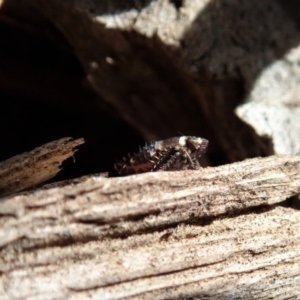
[[31, 168], [157, 236]]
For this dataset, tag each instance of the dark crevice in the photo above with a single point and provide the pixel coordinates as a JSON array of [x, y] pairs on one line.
[[177, 3]]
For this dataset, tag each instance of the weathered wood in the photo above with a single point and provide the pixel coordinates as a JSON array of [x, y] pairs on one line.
[[156, 236], [172, 235], [31, 168], [252, 256]]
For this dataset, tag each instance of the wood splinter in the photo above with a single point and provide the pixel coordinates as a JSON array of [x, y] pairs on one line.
[[36, 166]]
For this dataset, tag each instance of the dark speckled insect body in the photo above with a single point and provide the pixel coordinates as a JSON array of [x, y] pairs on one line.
[[177, 153]]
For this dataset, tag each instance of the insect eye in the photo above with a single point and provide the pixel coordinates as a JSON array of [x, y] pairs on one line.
[[191, 145]]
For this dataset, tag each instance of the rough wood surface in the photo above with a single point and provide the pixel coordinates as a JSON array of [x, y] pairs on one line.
[[165, 235], [34, 167], [175, 235]]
